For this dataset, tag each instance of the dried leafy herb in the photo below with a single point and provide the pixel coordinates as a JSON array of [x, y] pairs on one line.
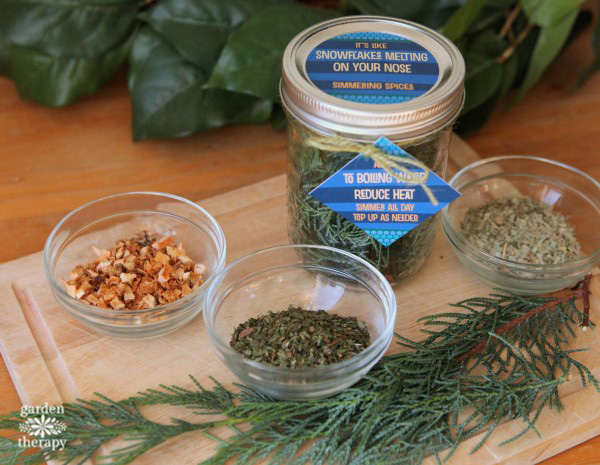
[[500, 357], [311, 222], [521, 230], [299, 338]]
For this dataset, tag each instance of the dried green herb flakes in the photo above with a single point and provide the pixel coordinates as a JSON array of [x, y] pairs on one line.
[[298, 338], [521, 230]]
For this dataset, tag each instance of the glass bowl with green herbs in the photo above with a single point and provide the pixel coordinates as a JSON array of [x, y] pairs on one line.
[[525, 224], [300, 321]]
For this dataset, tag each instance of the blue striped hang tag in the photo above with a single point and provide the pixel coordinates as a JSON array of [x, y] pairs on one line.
[[377, 202]]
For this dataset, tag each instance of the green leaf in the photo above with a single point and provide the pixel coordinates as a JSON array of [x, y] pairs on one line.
[[482, 81], [595, 64], [585, 18], [199, 29], [523, 54], [169, 98], [490, 17], [59, 28], [510, 70], [431, 13], [378, 7], [484, 72], [462, 18], [549, 43], [475, 119], [4, 58], [500, 4], [56, 81], [478, 116], [487, 43], [278, 119], [251, 60], [548, 12]]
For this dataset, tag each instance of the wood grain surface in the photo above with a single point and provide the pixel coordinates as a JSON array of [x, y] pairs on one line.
[[52, 160], [53, 358]]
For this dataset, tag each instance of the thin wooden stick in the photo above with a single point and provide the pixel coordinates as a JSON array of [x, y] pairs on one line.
[[506, 54], [510, 19], [585, 289]]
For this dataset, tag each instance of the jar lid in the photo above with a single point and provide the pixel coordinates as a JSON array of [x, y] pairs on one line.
[[371, 76]]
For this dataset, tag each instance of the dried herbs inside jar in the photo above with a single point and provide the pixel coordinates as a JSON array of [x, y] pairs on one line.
[[521, 230], [349, 106], [312, 222], [299, 338]]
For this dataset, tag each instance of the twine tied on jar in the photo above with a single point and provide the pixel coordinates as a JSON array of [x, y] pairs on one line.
[[391, 164]]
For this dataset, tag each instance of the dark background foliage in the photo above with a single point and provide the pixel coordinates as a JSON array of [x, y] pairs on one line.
[[196, 65]]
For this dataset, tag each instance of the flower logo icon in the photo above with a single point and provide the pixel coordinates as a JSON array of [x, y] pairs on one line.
[[42, 426]]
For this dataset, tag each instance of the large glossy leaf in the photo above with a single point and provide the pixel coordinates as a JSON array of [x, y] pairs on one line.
[[462, 19], [83, 28], [475, 119], [251, 59], [54, 81], [523, 54], [4, 58], [510, 70], [548, 12], [278, 118], [199, 29], [432, 13], [501, 4], [595, 64], [479, 108], [549, 43], [169, 99], [482, 82], [484, 72], [489, 18], [487, 42]]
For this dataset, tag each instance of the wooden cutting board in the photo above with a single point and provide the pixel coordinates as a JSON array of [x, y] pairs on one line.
[[53, 358]]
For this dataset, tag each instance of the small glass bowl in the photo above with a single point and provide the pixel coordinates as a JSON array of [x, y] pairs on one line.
[[315, 278], [566, 189], [104, 221]]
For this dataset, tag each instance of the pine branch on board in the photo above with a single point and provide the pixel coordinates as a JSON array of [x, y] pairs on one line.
[[493, 359]]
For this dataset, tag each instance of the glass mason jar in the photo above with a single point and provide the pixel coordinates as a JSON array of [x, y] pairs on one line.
[[356, 79]]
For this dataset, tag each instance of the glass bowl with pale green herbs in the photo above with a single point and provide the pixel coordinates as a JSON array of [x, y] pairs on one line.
[[135, 264], [300, 321], [525, 224]]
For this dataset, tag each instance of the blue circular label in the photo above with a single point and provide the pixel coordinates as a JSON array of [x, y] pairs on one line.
[[372, 67]]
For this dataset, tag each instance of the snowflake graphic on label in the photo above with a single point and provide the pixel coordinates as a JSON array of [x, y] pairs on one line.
[[378, 203], [42, 426]]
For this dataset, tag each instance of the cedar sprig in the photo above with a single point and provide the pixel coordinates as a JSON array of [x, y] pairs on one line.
[[490, 360]]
